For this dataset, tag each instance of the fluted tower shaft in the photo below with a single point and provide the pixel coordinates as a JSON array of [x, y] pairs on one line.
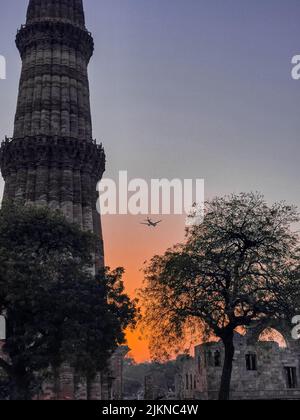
[[52, 159]]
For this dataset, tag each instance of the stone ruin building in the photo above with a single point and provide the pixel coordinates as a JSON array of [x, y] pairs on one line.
[[262, 370]]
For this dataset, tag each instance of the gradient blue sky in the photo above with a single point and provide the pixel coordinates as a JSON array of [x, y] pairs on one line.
[[188, 89]]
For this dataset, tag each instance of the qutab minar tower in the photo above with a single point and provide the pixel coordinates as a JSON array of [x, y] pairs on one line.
[[52, 159]]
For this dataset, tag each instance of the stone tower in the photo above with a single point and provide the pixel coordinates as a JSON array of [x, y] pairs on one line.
[[52, 159]]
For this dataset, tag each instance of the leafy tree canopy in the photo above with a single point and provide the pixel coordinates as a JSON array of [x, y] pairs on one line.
[[56, 310], [238, 267]]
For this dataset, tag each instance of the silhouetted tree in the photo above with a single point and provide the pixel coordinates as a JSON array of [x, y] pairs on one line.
[[56, 310], [236, 268]]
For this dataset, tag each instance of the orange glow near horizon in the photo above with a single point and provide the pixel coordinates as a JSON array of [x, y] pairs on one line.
[[129, 244]]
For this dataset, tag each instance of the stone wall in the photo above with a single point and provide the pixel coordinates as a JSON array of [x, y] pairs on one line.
[[259, 371]]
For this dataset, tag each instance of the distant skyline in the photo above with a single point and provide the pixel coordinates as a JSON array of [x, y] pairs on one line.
[[184, 89]]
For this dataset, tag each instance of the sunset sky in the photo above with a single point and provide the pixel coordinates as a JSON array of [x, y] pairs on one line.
[[184, 89]]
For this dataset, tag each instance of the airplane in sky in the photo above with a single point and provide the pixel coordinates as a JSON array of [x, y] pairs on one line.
[[151, 223]]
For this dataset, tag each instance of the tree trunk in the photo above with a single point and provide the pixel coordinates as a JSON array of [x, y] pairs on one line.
[[20, 389], [20, 385], [224, 394]]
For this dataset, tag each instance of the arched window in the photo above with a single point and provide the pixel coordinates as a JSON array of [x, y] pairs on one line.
[[272, 335], [291, 377], [208, 359], [217, 358], [199, 364], [251, 362]]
